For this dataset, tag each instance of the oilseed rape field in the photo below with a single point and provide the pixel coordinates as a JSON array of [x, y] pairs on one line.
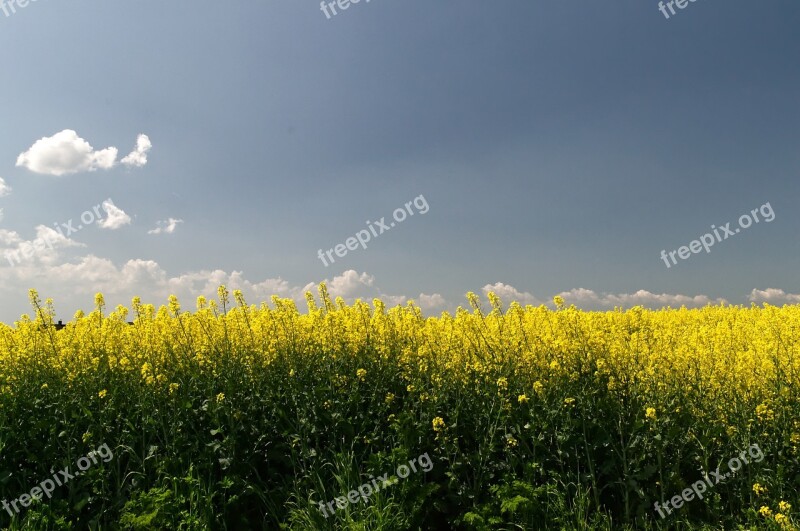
[[358, 416]]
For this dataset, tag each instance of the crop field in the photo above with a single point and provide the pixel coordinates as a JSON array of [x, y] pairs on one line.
[[235, 416]]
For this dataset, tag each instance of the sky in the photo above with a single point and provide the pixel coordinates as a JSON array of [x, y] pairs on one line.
[[528, 148]]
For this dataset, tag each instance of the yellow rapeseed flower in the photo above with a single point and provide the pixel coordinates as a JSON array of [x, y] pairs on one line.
[[784, 507], [522, 399], [765, 511], [174, 305], [764, 413], [361, 374], [438, 424], [650, 413], [759, 489], [103, 393]]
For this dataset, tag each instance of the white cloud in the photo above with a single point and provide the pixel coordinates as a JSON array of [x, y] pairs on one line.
[[4, 188], [138, 157], [65, 153], [432, 303], [773, 296], [166, 227], [591, 300], [116, 217], [509, 294], [9, 238], [73, 284], [42, 250]]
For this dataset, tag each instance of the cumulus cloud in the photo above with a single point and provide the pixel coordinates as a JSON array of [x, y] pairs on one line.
[[42, 250], [510, 294], [432, 303], [115, 217], [138, 157], [166, 227], [773, 296], [73, 284], [5, 189], [591, 300], [65, 153]]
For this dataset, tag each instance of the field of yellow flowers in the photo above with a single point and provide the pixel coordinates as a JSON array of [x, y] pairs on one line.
[[233, 416]]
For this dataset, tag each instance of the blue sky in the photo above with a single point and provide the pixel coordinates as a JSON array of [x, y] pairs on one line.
[[560, 148]]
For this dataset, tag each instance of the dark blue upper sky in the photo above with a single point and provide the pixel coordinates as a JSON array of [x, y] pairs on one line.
[[558, 146]]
